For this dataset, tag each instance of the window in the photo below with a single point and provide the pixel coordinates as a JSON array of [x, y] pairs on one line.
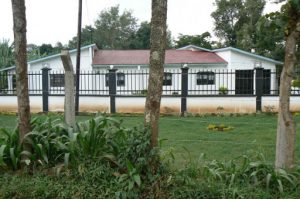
[[167, 79], [57, 80], [120, 79], [205, 78]]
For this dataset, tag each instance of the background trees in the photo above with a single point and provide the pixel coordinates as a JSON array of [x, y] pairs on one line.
[[270, 36], [6, 54], [202, 40], [115, 30], [112, 30], [235, 21]]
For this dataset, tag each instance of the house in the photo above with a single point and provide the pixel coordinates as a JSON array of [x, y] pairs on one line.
[[209, 69], [228, 71]]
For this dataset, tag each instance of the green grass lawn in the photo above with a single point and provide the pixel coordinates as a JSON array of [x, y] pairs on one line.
[[189, 138]]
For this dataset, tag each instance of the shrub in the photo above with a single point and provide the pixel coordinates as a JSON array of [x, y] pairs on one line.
[[10, 150], [296, 83], [100, 151], [223, 90], [243, 177], [269, 110]]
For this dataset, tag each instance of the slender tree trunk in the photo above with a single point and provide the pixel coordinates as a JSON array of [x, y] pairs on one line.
[[78, 56], [286, 126], [156, 73], [19, 21]]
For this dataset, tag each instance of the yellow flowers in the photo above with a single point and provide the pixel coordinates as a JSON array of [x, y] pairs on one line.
[[221, 127]]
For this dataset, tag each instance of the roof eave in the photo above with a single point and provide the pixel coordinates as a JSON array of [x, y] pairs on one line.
[[249, 54], [193, 46], [166, 64], [57, 55], [8, 68]]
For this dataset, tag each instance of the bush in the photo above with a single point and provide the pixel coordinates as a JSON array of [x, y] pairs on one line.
[[100, 151], [223, 90], [10, 150], [244, 177]]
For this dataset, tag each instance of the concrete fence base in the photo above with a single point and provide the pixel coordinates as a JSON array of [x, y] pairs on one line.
[[168, 104]]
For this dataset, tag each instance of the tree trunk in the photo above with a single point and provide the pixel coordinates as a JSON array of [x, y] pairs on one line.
[[286, 126], [156, 72], [20, 43]]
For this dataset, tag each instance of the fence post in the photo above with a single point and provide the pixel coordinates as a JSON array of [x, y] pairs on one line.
[[184, 89], [45, 88], [112, 89], [258, 87]]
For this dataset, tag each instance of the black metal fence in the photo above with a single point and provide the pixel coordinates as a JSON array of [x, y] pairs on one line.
[[135, 82], [183, 82]]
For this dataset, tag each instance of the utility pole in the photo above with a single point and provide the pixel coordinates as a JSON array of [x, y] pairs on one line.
[[78, 56]]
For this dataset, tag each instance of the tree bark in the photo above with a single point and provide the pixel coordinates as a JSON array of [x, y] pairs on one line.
[[19, 21], [156, 71], [286, 126], [69, 88]]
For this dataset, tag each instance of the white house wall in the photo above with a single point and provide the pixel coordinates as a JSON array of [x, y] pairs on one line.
[[226, 55], [243, 62], [55, 63], [239, 61]]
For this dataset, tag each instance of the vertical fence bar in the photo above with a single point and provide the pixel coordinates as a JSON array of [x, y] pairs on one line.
[[112, 89], [45, 88], [184, 89], [258, 87]]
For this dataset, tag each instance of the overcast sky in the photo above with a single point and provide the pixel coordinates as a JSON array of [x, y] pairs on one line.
[[49, 21]]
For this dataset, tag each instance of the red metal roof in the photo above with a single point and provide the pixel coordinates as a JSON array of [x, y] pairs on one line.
[[140, 57]]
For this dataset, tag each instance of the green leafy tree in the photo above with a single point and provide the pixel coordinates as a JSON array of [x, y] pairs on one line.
[[6, 54], [141, 39], [115, 30], [88, 36], [235, 21], [36, 52], [270, 36], [112, 30], [46, 49], [270, 40], [33, 52], [202, 40], [250, 14]]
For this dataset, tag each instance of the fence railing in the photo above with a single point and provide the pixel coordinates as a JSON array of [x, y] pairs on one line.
[[182, 82], [135, 82]]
